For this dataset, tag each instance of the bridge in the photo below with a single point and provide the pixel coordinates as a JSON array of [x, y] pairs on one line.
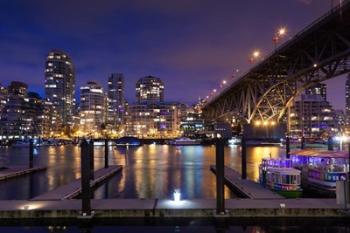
[[319, 52]]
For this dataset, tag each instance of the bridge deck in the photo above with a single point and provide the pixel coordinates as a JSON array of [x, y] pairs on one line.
[[73, 189], [12, 172], [246, 187]]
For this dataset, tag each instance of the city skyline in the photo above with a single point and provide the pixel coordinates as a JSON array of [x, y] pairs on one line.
[[188, 49]]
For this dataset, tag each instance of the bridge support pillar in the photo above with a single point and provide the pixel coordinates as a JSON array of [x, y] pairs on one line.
[[91, 155], [106, 153], [330, 143], [287, 147], [85, 178], [302, 143], [244, 158], [31, 153], [220, 173]]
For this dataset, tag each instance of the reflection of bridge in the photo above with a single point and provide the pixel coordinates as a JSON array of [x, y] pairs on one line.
[[319, 52]]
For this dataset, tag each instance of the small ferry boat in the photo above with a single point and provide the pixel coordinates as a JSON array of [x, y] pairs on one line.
[[128, 141], [234, 141], [185, 142], [279, 176], [321, 169]]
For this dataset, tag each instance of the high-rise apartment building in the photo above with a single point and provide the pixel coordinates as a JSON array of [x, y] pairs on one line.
[[22, 115], [314, 117], [116, 100], [92, 108], [318, 89], [60, 84], [347, 100], [3, 97], [149, 89]]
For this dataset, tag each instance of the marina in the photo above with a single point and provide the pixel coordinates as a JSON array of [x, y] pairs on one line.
[[247, 188], [73, 188], [16, 171]]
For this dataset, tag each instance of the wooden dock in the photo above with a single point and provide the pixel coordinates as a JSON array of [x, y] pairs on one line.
[[165, 208], [247, 188], [16, 171], [73, 189]]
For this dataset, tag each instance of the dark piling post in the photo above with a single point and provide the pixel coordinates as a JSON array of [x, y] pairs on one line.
[[330, 143], [302, 144], [287, 147], [31, 153], [91, 155], [85, 178], [106, 153], [220, 172], [244, 158]]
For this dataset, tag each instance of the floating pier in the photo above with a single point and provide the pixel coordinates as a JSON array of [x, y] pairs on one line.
[[73, 189], [12, 172], [245, 187]]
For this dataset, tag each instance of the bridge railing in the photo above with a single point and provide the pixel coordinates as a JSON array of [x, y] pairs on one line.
[[335, 10]]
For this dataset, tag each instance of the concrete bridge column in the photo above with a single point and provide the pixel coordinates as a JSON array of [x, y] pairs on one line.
[[302, 143], [287, 147]]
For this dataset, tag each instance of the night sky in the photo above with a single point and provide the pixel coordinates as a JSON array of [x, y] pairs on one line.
[[190, 44]]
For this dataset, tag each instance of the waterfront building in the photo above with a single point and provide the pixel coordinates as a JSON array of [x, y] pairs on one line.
[[116, 100], [60, 85], [3, 97], [35, 115], [340, 120], [318, 89], [92, 110], [149, 90], [153, 120], [313, 117], [13, 114], [347, 100], [192, 125], [23, 113]]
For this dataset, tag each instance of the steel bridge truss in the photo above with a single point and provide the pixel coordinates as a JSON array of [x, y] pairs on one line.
[[319, 53]]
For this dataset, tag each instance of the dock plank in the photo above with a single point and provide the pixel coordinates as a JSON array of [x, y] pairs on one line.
[[16, 171], [73, 188], [247, 187]]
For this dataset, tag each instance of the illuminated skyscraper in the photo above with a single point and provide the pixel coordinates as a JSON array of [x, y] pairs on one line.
[[149, 89], [92, 108], [60, 84], [347, 100], [3, 97], [318, 89], [116, 101]]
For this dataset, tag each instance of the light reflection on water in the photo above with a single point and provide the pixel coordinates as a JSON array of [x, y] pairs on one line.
[[150, 171]]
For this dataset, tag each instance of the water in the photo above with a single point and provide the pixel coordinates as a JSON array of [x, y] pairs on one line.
[[187, 226], [151, 171]]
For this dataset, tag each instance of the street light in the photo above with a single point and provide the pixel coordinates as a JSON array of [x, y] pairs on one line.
[[341, 139], [279, 35], [224, 82], [282, 31], [255, 55]]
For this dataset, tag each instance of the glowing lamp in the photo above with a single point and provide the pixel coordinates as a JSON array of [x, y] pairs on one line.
[[177, 195]]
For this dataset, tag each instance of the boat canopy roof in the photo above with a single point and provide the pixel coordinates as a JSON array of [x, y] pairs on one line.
[[320, 153], [285, 171]]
